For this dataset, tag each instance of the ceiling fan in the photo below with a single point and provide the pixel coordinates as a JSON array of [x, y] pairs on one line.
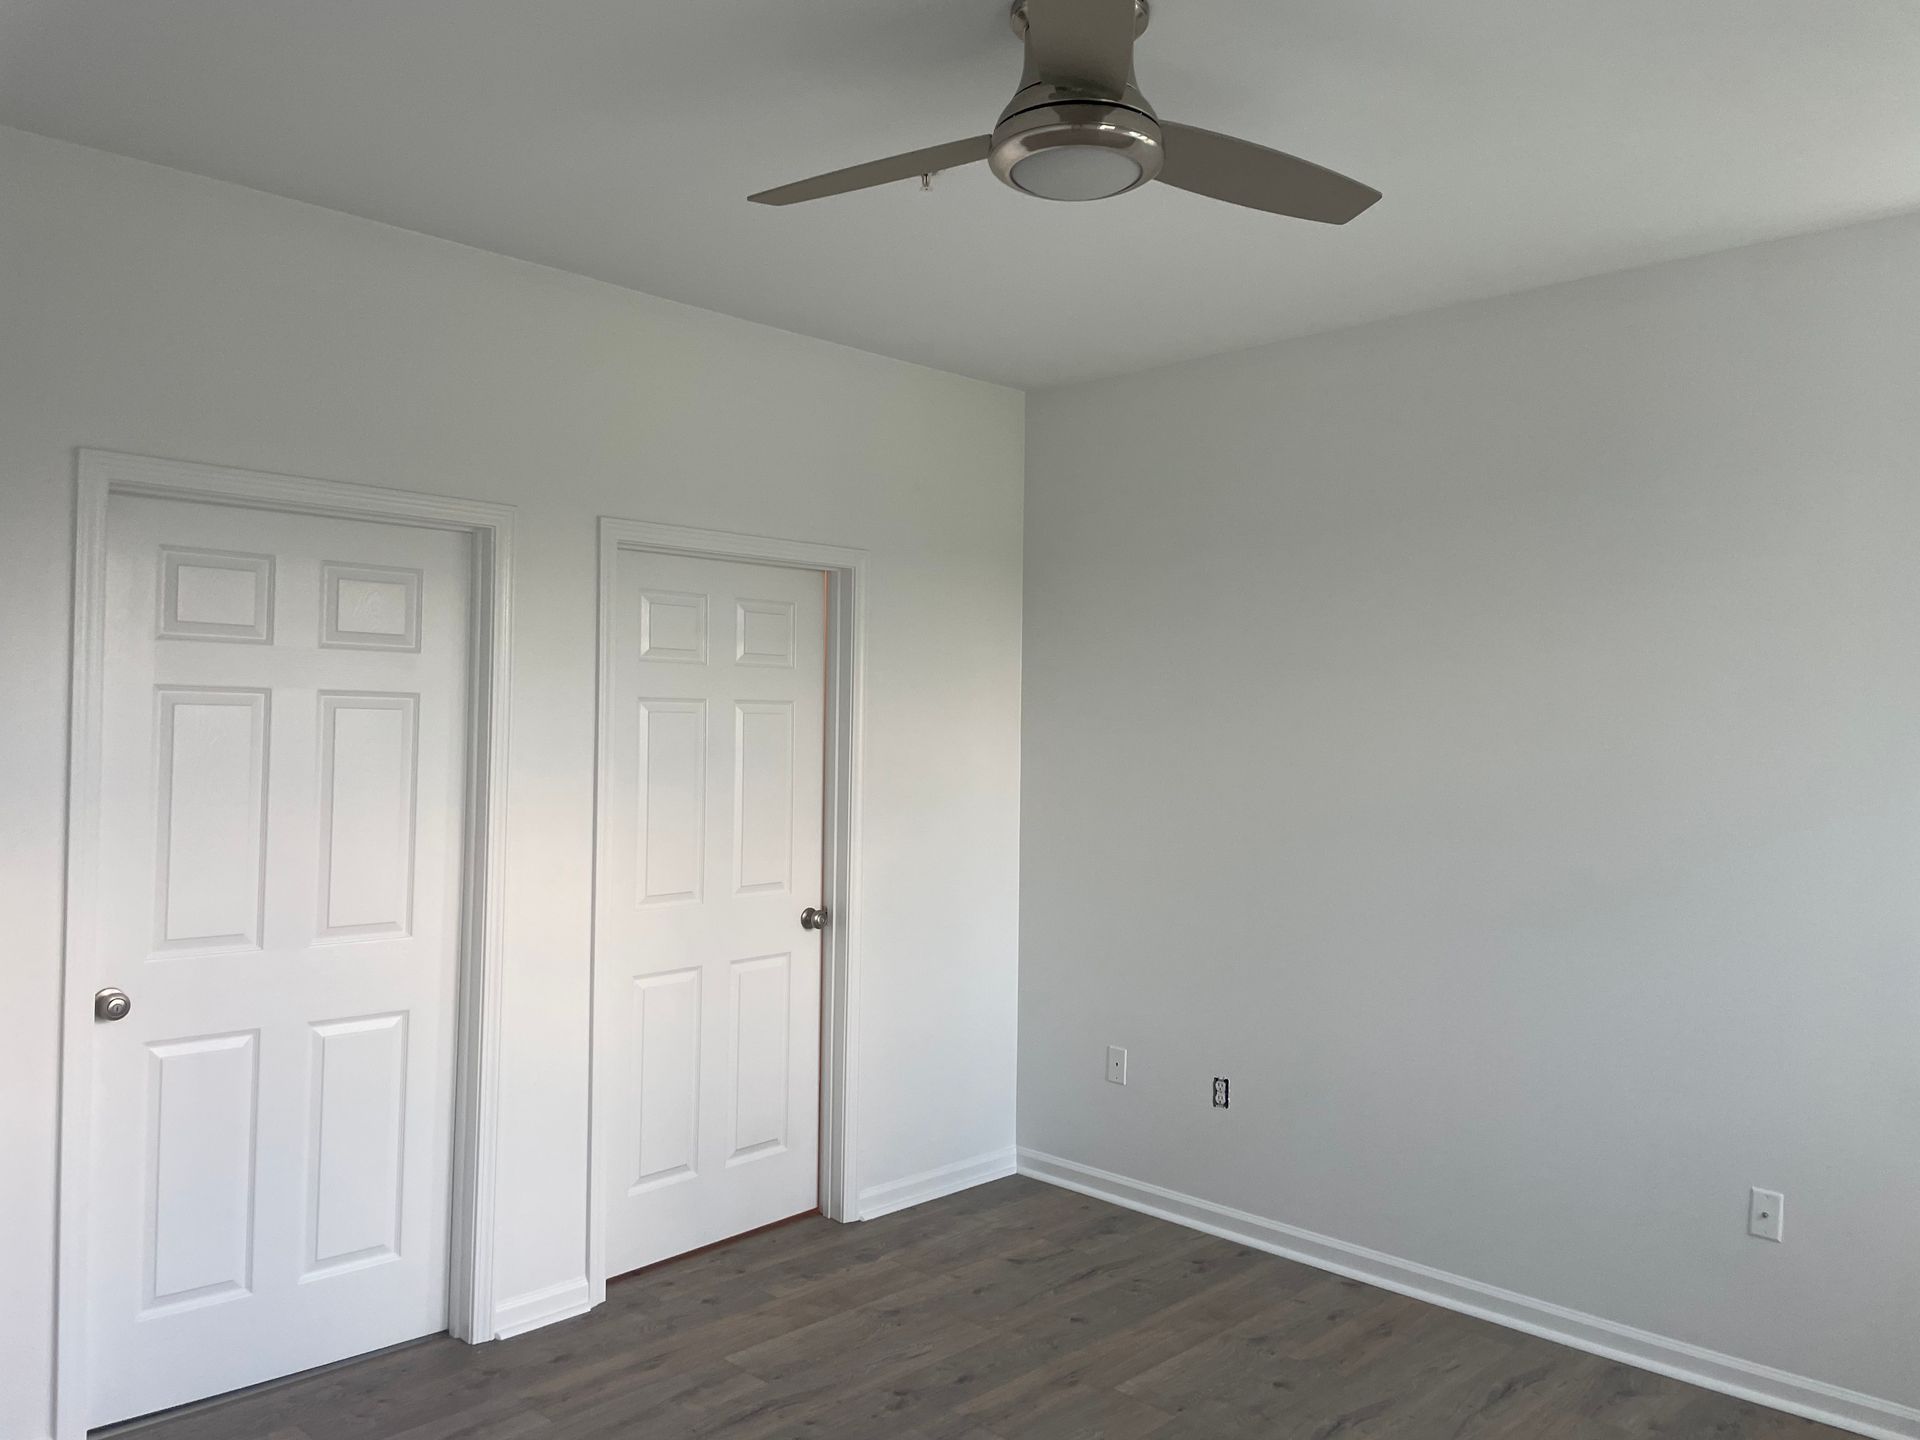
[[1078, 128]]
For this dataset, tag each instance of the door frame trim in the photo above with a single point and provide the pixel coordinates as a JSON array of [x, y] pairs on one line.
[[102, 474], [849, 575]]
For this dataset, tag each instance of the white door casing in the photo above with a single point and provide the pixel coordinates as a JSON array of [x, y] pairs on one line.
[[282, 763], [707, 987]]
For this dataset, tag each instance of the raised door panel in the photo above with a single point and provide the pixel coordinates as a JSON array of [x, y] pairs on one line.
[[665, 1083], [367, 792], [202, 1131], [369, 607], [215, 595], [761, 1000], [673, 626], [763, 633], [672, 802], [763, 797], [356, 1144], [212, 801]]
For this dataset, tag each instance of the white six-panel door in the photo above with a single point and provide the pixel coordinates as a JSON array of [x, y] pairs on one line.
[[283, 757], [708, 988]]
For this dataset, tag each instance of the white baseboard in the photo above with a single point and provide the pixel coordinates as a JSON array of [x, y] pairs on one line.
[[541, 1307], [878, 1200], [1762, 1384]]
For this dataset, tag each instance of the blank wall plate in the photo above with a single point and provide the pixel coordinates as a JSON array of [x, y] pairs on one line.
[[1116, 1065], [1766, 1213]]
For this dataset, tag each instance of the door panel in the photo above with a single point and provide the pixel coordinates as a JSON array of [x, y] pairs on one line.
[[282, 775], [713, 839], [761, 1020], [673, 799], [367, 785], [763, 797], [212, 804], [204, 1104], [359, 1088], [665, 1071]]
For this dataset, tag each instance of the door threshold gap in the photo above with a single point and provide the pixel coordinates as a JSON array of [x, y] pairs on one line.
[[281, 1382]]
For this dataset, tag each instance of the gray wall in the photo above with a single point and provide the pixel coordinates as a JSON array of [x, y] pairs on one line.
[[146, 310], [1493, 740]]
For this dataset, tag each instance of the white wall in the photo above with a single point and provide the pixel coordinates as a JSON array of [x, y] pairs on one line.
[[1492, 739], [149, 311]]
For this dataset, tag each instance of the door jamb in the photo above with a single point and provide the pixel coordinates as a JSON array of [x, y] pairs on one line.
[[103, 474], [849, 576]]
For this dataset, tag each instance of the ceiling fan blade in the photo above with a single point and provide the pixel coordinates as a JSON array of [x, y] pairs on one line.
[[1243, 173], [1082, 44], [878, 172]]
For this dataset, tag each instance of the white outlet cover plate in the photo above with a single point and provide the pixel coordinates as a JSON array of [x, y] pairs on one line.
[[1766, 1214], [1116, 1065]]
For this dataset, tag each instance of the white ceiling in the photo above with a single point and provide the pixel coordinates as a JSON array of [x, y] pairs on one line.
[[1518, 142]]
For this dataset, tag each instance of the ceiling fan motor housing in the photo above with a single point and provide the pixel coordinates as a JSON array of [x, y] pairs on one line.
[[1076, 150], [1063, 141]]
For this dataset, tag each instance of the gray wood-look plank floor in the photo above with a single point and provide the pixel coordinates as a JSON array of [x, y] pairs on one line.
[[1014, 1311]]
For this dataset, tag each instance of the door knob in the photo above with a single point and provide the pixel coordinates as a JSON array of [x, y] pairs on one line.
[[813, 919], [111, 1004]]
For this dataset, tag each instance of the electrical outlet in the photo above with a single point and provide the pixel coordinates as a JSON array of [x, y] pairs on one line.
[[1116, 1065], [1766, 1214], [1219, 1092]]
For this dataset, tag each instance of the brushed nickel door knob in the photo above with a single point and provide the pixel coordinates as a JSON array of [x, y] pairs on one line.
[[111, 1004], [813, 918]]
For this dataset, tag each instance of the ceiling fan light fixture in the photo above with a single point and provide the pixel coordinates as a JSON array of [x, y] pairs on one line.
[[1076, 172], [1076, 150]]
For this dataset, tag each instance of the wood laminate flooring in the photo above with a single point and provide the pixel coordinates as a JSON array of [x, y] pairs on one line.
[[1013, 1311]]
